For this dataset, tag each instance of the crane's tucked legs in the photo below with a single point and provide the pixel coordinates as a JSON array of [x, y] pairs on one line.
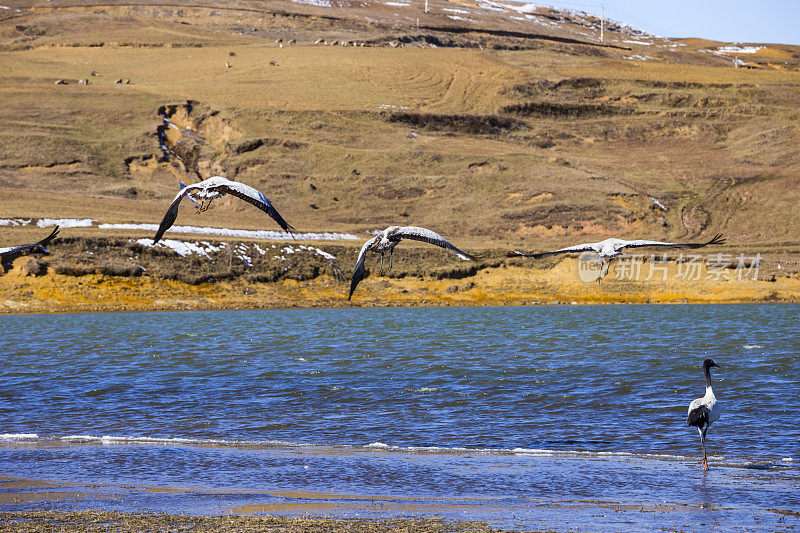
[[604, 270]]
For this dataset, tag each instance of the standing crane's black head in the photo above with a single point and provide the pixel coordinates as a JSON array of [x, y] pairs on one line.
[[709, 363]]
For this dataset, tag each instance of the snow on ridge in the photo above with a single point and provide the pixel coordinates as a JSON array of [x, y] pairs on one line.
[[492, 6], [15, 221], [65, 222], [739, 49], [244, 233], [459, 11], [318, 3], [224, 232], [637, 57], [579, 17], [180, 247], [638, 42], [241, 250], [524, 8], [390, 106]]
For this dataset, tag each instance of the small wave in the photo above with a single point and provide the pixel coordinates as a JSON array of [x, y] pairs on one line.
[[377, 445], [18, 436], [80, 438], [121, 439], [543, 452], [110, 440], [423, 389], [752, 346]]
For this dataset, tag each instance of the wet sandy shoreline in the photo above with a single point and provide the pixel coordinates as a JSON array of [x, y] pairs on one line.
[[89, 521], [52, 505]]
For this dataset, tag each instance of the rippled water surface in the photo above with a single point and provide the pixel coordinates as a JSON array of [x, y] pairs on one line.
[[545, 404]]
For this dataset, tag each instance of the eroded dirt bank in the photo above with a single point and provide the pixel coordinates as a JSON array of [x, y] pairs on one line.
[[502, 285]]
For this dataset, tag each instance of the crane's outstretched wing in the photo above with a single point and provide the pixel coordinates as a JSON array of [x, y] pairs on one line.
[[416, 233], [587, 247], [172, 213], [358, 271], [7, 254], [254, 196], [718, 239]]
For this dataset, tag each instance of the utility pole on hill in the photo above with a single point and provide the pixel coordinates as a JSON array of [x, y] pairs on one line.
[[601, 22], [426, 6]]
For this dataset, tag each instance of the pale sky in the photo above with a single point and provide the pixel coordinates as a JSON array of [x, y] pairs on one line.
[[765, 21]]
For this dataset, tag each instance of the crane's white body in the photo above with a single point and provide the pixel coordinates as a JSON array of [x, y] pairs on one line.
[[709, 401]]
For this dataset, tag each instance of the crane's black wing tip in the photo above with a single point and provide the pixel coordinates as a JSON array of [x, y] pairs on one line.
[[53, 235], [718, 239], [352, 291]]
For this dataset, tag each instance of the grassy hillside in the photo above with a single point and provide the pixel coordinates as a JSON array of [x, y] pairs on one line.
[[497, 128]]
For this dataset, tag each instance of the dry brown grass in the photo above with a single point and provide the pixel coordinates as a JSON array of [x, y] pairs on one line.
[[497, 149]]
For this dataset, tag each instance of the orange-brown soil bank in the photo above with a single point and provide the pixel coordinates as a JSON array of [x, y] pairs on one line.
[[502, 285]]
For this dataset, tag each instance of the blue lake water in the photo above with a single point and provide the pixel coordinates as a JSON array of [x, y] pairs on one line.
[[436, 410]]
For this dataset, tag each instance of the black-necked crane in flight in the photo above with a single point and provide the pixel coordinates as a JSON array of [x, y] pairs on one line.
[[608, 249], [212, 188], [9, 254], [386, 241]]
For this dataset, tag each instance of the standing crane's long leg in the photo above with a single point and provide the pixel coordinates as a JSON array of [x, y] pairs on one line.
[[705, 456], [381, 272], [391, 254]]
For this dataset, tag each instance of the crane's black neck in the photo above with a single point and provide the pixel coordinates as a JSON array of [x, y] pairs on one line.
[[707, 371]]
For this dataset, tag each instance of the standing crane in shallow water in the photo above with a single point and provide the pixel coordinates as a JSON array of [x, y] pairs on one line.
[[703, 411]]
